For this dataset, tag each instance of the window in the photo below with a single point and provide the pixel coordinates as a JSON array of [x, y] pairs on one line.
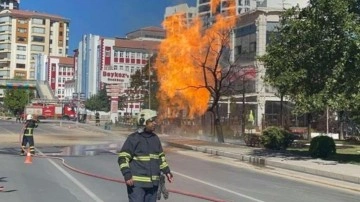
[[252, 47], [20, 66], [107, 53], [4, 46], [39, 39], [22, 21], [5, 19], [21, 48], [5, 28], [127, 68], [20, 56], [32, 74], [38, 21], [53, 67], [21, 39], [38, 30], [34, 56], [121, 54], [5, 37], [132, 55], [127, 54], [60, 50], [22, 30], [132, 69], [60, 33], [239, 49], [37, 48]]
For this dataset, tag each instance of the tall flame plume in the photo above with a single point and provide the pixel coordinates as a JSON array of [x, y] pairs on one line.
[[182, 58]]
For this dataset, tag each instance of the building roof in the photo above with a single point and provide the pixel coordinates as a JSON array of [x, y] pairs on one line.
[[150, 28], [31, 14], [64, 60], [121, 43]]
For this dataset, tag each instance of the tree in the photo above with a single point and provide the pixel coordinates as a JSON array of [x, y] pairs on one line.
[[99, 102], [140, 82], [16, 99], [195, 67], [314, 58]]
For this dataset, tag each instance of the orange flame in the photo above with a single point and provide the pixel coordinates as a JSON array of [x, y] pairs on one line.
[[182, 57]]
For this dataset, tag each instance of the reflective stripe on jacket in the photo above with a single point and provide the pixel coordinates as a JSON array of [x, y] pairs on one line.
[[142, 158], [29, 127]]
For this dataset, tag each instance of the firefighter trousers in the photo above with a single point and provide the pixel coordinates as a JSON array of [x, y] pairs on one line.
[[141, 194], [28, 139]]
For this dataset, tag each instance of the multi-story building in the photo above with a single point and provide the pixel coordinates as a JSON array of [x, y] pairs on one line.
[[112, 61], [24, 35], [147, 34], [281, 3], [9, 4], [59, 70], [206, 11], [183, 11]]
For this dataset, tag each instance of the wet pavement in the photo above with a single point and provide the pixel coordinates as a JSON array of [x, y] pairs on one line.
[[100, 141]]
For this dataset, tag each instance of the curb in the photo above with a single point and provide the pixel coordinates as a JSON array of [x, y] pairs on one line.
[[246, 158], [258, 161], [312, 171]]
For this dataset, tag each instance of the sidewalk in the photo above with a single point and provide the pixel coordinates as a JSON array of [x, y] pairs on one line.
[[262, 157]]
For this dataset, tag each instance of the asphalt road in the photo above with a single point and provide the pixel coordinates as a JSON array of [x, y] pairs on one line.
[[197, 174]]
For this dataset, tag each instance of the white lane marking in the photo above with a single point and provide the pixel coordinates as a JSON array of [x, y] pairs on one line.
[[215, 186], [74, 180]]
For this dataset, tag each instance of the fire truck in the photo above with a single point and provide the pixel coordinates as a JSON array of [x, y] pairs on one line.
[[51, 109]]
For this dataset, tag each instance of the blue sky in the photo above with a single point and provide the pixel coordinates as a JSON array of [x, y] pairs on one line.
[[108, 18]]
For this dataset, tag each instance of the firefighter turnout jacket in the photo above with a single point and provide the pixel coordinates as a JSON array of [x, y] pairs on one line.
[[29, 127], [142, 158]]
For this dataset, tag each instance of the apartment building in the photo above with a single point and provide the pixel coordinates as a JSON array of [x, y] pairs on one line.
[[9, 4], [183, 11], [26, 34], [59, 71], [204, 8], [101, 60]]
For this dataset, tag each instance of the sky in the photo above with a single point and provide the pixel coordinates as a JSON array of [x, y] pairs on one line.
[[107, 18]]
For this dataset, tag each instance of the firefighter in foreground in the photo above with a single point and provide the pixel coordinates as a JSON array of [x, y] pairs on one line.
[[28, 134], [142, 160]]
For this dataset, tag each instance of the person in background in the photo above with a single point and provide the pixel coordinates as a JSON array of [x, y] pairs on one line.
[[97, 119], [17, 117], [142, 159], [28, 134]]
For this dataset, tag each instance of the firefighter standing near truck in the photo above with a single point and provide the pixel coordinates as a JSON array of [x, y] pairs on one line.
[[28, 134], [142, 159]]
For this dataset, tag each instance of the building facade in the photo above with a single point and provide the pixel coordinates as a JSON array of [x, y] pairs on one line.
[[9, 4], [59, 71], [112, 61], [24, 35], [183, 11]]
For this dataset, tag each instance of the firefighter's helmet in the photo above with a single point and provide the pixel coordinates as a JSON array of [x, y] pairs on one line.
[[145, 115], [29, 117]]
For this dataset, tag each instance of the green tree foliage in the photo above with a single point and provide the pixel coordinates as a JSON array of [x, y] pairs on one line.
[[140, 82], [314, 59], [322, 147], [276, 138], [16, 99], [99, 102]]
